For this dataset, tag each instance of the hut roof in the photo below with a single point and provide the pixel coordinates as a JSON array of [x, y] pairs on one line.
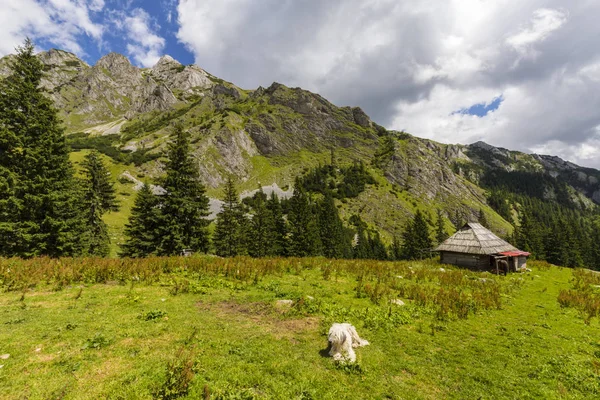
[[474, 238]]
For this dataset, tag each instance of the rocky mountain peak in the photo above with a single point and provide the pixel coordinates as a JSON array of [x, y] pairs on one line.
[[166, 60], [114, 62], [555, 163], [492, 149], [176, 76], [56, 57]]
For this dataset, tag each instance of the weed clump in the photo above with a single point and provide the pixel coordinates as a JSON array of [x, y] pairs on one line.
[[585, 294], [152, 315], [97, 342], [179, 374]]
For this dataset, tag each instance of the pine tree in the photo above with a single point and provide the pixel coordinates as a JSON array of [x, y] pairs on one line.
[[363, 247], [416, 239], [262, 228], [396, 249], [40, 207], [98, 182], [305, 239], [440, 233], [333, 236], [280, 242], [99, 194], [528, 235], [378, 249], [595, 247], [142, 230], [458, 219], [230, 229], [184, 206]]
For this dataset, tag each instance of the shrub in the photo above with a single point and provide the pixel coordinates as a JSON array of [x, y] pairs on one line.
[[179, 374]]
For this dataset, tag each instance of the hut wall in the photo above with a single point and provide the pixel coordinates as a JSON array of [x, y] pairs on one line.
[[522, 262], [473, 261]]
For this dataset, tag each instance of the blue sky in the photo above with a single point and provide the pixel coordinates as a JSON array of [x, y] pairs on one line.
[[481, 109], [163, 16], [427, 67]]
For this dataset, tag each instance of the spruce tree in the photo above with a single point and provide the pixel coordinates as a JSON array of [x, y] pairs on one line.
[[142, 230], [378, 249], [409, 247], [333, 235], [99, 194], [440, 233], [416, 240], [280, 239], [184, 206], [229, 237], [362, 246], [595, 246], [262, 228], [40, 204], [305, 239], [396, 249]]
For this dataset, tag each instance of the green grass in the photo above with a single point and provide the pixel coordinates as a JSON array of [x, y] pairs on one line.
[[115, 339]]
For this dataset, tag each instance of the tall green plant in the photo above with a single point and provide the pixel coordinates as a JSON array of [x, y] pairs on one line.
[[184, 205], [100, 198], [142, 230], [305, 239], [416, 240], [40, 204], [230, 229]]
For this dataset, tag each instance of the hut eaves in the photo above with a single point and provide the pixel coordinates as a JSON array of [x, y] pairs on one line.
[[474, 238]]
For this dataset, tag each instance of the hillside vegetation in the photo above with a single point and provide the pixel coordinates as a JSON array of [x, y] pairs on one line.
[[212, 328], [272, 135]]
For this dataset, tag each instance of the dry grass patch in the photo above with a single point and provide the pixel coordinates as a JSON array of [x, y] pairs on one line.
[[263, 315]]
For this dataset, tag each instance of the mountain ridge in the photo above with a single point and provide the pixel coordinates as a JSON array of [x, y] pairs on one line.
[[270, 135]]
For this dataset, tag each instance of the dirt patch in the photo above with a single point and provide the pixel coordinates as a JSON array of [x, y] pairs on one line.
[[265, 316]]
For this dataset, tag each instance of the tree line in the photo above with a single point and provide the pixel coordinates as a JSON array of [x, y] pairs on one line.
[[561, 235]]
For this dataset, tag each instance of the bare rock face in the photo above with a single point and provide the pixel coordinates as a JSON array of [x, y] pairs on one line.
[[153, 97], [178, 77], [309, 122], [5, 63], [61, 67], [165, 68], [361, 118], [455, 152], [494, 150], [555, 163]]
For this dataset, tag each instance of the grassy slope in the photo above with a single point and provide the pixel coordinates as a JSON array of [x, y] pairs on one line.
[[530, 349]]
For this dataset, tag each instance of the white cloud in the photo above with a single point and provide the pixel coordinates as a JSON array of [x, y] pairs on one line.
[[145, 46], [59, 21], [96, 5], [169, 8], [543, 23], [411, 63]]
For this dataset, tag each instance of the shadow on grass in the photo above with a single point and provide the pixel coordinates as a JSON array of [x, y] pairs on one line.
[[325, 352]]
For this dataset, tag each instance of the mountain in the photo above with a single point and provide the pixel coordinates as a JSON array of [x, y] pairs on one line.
[[270, 135]]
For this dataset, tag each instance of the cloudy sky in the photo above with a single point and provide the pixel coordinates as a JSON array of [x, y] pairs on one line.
[[521, 74]]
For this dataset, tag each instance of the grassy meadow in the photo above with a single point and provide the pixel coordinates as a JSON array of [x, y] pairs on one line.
[[206, 327]]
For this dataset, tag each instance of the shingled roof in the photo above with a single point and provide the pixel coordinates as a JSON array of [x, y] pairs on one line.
[[474, 238]]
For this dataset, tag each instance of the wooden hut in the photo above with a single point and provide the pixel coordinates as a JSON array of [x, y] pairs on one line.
[[475, 247]]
